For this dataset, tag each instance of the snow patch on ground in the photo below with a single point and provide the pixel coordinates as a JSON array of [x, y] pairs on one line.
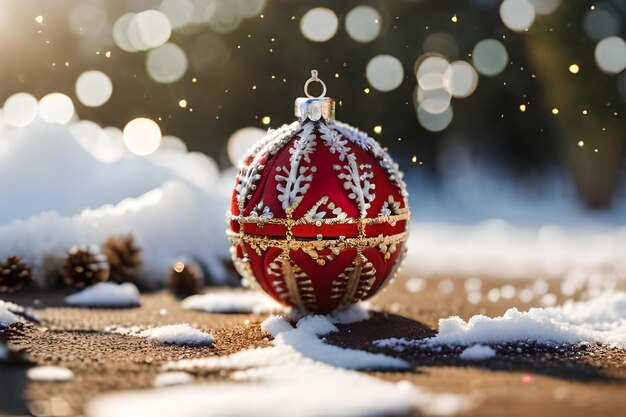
[[11, 313], [231, 302], [478, 353], [168, 379], [181, 334], [7, 316], [598, 320], [106, 294], [50, 374], [290, 370], [178, 334]]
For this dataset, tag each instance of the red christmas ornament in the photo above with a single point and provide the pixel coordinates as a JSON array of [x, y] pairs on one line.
[[319, 215]]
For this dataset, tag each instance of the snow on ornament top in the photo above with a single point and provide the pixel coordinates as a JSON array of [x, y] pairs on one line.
[[319, 214]]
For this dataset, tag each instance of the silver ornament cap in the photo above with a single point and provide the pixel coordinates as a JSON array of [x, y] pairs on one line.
[[314, 108]]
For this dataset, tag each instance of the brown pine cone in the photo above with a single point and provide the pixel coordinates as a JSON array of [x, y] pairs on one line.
[[185, 278], [85, 266], [124, 258], [14, 275]]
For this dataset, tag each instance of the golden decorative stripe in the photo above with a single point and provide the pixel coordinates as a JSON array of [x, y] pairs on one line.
[[265, 242], [303, 221]]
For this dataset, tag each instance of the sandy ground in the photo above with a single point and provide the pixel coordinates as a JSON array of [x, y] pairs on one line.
[[522, 380]]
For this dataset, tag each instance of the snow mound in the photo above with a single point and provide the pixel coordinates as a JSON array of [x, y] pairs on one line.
[[477, 353], [598, 320], [106, 294], [231, 302], [178, 334], [168, 379], [173, 202], [50, 374], [11, 313], [264, 379]]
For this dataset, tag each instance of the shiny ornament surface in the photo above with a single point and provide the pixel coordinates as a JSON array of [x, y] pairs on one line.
[[319, 214]]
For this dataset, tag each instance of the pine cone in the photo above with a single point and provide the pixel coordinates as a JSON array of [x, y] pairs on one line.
[[123, 256], [84, 266], [186, 278], [14, 275]]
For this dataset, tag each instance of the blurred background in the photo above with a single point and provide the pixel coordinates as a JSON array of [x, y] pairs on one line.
[[483, 103]]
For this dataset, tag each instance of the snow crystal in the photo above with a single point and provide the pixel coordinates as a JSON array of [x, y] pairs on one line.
[[178, 334], [167, 379], [231, 302], [50, 374], [267, 377], [106, 294], [173, 202], [477, 353]]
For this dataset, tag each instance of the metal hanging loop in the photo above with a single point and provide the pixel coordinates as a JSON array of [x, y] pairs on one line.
[[311, 80]]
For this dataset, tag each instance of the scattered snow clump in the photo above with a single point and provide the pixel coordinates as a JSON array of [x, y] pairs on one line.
[[178, 334], [231, 302], [50, 374], [478, 353]]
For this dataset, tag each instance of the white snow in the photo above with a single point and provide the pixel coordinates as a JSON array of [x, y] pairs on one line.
[[106, 294], [174, 334], [50, 374], [231, 301], [168, 379], [172, 201], [9, 312], [178, 334], [601, 319], [500, 250], [478, 353], [282, 380]]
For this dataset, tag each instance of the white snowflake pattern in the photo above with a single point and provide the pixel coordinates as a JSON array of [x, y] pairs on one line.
[[358, 183], [334, 140], [262, 211], [315, 213], [296, 178], [390, 207]]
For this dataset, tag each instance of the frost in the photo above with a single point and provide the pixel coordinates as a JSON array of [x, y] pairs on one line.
[[106, 294], [358, 183]]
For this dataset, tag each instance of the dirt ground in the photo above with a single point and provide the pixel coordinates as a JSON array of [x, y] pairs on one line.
[[523, 379]]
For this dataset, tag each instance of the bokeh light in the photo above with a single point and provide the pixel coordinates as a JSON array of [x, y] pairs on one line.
[[319, 24], [149, 29], [544, 7], [517, 15], [172, 144], [88, 19], [490, 57], [363, 23], [166, 64], [434, 101], [610, 55], [441, 43], [434, 122], [120, 32], [430, 72], [56, 108], [20, 109], [460, 79], [384, 72], [93, 88], [179, 12], [240, 141], [601, 23], [142, 136]]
